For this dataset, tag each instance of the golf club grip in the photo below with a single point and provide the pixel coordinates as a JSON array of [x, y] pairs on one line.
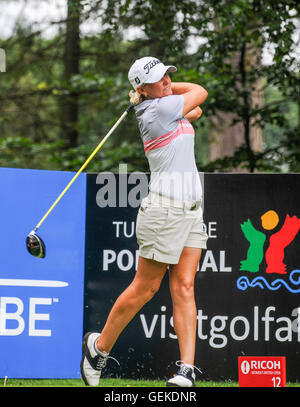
[[84, 166]]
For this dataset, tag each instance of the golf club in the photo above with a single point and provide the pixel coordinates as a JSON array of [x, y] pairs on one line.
[[34, 243]]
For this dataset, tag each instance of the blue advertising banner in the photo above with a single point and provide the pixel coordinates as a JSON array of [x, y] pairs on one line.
[[41, 300]]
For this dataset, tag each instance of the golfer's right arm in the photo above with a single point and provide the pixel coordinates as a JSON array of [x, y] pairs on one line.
[[194, 95]]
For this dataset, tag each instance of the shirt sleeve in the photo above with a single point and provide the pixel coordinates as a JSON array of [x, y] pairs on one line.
[[169, 109]]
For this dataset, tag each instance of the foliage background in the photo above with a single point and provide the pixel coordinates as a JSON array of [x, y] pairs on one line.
[[61, 92]]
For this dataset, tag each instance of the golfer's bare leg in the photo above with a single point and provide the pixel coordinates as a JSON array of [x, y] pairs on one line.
[[144, 285], [182, 276]]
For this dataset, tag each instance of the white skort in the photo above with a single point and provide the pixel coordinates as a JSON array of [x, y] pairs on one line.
[[164, 227]]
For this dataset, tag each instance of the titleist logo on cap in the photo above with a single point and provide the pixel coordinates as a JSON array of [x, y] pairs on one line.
[[151, 64]]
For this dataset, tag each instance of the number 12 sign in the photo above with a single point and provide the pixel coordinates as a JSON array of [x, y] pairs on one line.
[[262, 371]]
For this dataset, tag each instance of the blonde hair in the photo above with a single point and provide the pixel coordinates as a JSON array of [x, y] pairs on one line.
[[135, 97]]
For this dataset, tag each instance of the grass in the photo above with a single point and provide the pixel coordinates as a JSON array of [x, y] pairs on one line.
[[103, 383], [110, 383]]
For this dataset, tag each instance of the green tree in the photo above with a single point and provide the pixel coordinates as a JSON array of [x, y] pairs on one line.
[[235, 34], [59, 96], [71, 61]]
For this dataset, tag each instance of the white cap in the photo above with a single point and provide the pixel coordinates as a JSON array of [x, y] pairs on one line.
[[148, 70]]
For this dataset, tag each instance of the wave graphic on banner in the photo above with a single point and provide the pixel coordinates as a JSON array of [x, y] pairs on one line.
[[243, 283]]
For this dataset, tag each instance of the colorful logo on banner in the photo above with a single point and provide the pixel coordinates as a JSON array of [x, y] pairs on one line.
[[274, 255]]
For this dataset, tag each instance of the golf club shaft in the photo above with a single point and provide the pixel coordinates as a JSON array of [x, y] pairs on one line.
[[83, 166]]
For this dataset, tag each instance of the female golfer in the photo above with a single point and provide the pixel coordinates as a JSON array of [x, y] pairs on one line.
[[169, 226]]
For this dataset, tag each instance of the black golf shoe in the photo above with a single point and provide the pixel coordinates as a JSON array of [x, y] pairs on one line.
[[185, 376], [93, 361]]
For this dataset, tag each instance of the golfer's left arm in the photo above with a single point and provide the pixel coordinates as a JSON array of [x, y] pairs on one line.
[[194, 114], [194, 96]]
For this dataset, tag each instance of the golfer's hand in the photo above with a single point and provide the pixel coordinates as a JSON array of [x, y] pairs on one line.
[[194, 114]]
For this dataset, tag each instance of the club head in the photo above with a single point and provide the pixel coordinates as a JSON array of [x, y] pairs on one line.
[[35, 245]]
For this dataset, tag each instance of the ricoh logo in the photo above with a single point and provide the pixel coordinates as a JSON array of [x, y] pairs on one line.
[[247, 366], [2, 60]]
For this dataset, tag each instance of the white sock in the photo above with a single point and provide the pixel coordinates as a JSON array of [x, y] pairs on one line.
[[188, 365]]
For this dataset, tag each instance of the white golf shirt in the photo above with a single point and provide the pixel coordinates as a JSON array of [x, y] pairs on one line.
[[169, 147]]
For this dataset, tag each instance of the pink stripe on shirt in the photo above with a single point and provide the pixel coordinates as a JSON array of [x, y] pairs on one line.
[[184, 127]]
